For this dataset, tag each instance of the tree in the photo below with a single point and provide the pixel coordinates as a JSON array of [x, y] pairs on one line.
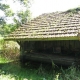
[[19, 17]]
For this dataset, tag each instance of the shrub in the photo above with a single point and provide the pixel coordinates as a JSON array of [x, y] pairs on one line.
[[10, 49]]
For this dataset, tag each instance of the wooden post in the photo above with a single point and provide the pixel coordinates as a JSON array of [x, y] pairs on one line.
[[22, 50], [78, 34]]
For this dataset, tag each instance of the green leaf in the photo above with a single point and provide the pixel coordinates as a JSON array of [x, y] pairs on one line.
[[9, 13]]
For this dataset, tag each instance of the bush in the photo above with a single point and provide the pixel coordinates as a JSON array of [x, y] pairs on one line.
[[1, 42], [10, 49]]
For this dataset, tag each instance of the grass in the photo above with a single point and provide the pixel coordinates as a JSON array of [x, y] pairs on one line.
[[34, 71], [12, 71]]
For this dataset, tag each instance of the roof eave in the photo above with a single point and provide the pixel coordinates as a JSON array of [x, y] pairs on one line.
[[43, 39]]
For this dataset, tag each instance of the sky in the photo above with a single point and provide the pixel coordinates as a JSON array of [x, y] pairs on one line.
[[39, 7], [46, 6]]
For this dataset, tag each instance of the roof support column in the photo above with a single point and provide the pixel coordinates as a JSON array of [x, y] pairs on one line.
[[22, 49]]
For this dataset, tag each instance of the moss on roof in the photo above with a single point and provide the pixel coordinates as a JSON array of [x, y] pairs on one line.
[[75, 10]]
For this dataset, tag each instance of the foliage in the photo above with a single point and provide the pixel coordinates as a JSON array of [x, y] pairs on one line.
[[2, 21], [75, 10], [19, 17], [1, 42], [22, 15], [4, 7], [10, 50]]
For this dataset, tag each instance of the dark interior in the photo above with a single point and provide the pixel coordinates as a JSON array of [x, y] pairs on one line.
[[62, 47]]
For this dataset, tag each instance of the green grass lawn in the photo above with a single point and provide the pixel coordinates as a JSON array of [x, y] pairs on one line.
[[11, 70]]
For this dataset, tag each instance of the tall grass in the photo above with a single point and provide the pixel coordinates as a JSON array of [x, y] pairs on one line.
[[13, 71]]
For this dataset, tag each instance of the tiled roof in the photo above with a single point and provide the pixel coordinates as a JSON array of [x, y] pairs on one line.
[[58, 25]]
